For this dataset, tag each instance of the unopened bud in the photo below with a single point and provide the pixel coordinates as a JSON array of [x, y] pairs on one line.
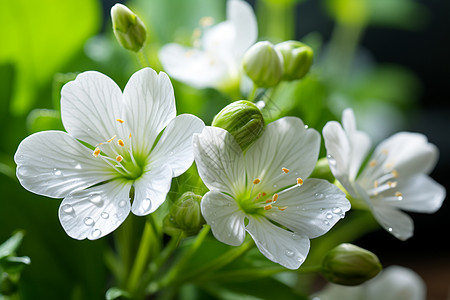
[[128, 28], [263, 64], [297, 58], [243, 120], [348, 264], [185, 216]]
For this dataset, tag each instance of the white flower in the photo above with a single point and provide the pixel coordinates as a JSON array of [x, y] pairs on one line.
[[395, 177], [216, 60], [255, 191], [111, 148], [393, 283]]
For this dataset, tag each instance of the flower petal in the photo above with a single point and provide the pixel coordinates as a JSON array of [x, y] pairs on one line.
[[241, 16], [285, 143], [150, 106], [53, 164], [420, 194], [277, 244], [97, 211], [222, 213], [311, 209], [394, 221], [151, 189], [338, 153], [408, 153], [192, 66], [219, 160], [90, 106], [174, 148]]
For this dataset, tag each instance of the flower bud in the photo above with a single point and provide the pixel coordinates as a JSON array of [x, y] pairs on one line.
[[243, 120], [263, 64], [348, 264], [128, 28], [297, 58], [185, 216]]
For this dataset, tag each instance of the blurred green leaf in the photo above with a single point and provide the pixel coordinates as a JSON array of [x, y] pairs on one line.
[[10, 246], [114, 293], [44, 119], [14, 264], [39, 37]]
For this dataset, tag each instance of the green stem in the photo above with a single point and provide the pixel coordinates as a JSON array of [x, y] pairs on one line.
[[277, 19], [142, 57], [142, 257], [252, 95]]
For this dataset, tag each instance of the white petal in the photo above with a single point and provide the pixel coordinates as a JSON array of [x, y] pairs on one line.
[[396, 283], [151, 189], [222, 213], [150, 106], [174, 148], [408, 153], [192, 66], [339, 154], [311, 209], [285, 143], [219, 160], [420, 194], [53, 164], [241, 16], [97, 211], [277, 244], [394, 221], [90, 106]]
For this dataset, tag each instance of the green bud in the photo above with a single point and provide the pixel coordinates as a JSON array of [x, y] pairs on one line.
[[348, 264], [128, 28], [297, 58], [263, 64], [185, 216], [243, 120]]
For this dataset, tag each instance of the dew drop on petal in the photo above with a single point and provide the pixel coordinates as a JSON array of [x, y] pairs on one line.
[[318, 196], [275, 186], [300, 259], [96, 199], [89, 221], [329, 216], [96, 233], [78, 167], [67, 208], [146, 204], [289, 253], [326, 222], [105, 215], [122, 203], [331, 160], [56, 172], [24, 170], [337, 210]]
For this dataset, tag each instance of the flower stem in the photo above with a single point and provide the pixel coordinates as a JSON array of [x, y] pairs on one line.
[[142, 57]]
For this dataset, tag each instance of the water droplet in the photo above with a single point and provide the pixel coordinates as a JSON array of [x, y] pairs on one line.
[[275, 186], [24, 170], [122, 203], [337, 210], [78, 166], [306, 126], [96, 233], [289, 253], [342, 215], [326, 222], [300, 259], [146, 204], [89, 221], [171, 153], [296, 236], [390, 229], [331, 160], [329, 216], [96, 199], [67, 208], [105, 215], [56, 172], [318, 196]]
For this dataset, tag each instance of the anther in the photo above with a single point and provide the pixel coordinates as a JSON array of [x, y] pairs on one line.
[[256, 181], [299, 181], [275, 197], [398, 194], [285, 170], [394, 173], [120, 121], [392, 184], [96, 152], [111, 139], [268, 206], [373, 163], [282, 208], [119, 158], [384, 151], [269, 200], [120, 142]]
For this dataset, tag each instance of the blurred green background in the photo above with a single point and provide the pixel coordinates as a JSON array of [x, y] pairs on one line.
[[386, 59]]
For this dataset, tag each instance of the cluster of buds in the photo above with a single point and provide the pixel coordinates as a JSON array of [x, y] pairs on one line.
[[267, 64]]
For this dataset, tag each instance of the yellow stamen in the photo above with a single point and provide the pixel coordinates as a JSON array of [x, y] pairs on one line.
[[120, 121], [129, 136], [373, 163], [275, 197], [285, 170], [282, 208], [384, 151], [375, 184], [269, 200], [299, 181], [394, 173], [206, 21], [392, 184], [119, 158], [264, 194], [96, 152], [111, 139], [268, 206], [256, 181], [120, 142], [398, 194]]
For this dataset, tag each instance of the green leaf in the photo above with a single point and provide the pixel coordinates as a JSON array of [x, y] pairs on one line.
[[10, 246], [14, 264], [40, 37], [114, 293], [44, 119]]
